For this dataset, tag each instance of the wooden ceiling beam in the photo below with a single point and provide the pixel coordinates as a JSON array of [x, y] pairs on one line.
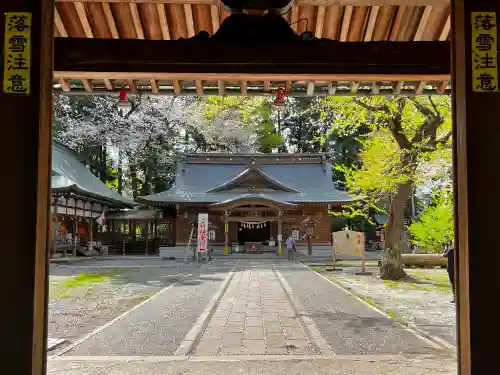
[[110, 20], [423, 23], [204, 58], [371, 23], [222, 87], [288, 86], [214, 12], [332, 88], [59, 24], [162, 16], [243, 88], [397, 23], [249, 76], [398, 87], [295, 17], [443, 85], [154, 86], [320, 21], [109, 85], [87, 85], [445, 33], [65, 85], [82, 15], [297, 2], [136, 18], [346, 22], [267, 86], [310, 88], [354, 86], [177, 86], [188, 11], [199, 88], [420, 88], [131, 85]]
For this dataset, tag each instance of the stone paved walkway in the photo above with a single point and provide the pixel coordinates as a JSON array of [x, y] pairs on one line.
[[255, 317]]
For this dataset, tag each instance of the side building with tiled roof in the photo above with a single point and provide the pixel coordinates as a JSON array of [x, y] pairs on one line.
[[259, 199]]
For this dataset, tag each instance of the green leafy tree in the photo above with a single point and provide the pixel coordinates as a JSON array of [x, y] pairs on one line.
[[435, 226], [405, 132]]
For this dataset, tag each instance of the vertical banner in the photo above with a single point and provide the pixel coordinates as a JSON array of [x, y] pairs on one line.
[[202, 233], [484, 52], [17, 53]]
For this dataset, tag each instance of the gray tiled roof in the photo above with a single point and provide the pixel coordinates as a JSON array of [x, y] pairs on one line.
[[313, 183], [72, 175]]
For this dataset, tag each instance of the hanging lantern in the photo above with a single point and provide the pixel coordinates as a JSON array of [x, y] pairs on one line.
[[279, 101], [123, 103]]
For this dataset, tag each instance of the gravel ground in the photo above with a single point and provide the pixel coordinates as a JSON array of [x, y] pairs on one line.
[[349, 326], [77, 308], [424, 302], [160, 325]]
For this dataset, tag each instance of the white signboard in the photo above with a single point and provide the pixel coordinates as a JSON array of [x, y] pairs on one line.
[[349, 243], [202, 242]]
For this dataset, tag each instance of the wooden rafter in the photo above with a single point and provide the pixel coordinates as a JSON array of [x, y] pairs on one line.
[[243, 88], [354, 86], [295, 17], [310, 88], [267, 86], [177, 86], [332, 88], [131, 85], [109, 85], [288, 86], [376, 88], [423, 23], [59, 24], [420, 88], [446, 30], [397, 23], [443, 85], [346, 22], [221, 87], [371, 23], [65, 85], [136, 18], [188, 11], [214, 11], [398, 87], [110, 20], [297, 2], [162, 16], [320, 21], [82, 15], [199, 87], [154, 86], [87, 84]]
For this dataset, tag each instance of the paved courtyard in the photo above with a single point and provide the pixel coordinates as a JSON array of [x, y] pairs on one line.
[[265, 314]]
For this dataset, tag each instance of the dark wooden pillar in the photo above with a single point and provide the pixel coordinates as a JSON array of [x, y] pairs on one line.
[[477, 177], [26, 152]]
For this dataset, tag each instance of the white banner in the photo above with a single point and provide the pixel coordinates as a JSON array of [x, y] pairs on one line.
[[202, 233]]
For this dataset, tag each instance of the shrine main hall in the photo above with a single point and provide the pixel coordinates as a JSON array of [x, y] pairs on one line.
[[253, 198]]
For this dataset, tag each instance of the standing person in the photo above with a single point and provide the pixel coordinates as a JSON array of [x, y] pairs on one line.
[[450, 267], [290, 247]]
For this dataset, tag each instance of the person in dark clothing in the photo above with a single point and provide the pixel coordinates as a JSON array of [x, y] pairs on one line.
[[450, 254]]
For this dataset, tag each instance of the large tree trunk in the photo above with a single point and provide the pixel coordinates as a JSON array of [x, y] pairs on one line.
[[392, 268], [133, 177], [120, 172]]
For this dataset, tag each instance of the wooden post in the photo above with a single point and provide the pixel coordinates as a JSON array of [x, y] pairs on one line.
[[476, 99], [27, 119], [91, 231], [226, 233], [280, 234], [75, 233]]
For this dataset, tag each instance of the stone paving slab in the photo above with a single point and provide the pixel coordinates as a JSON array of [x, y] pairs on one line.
[[254, 317]]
